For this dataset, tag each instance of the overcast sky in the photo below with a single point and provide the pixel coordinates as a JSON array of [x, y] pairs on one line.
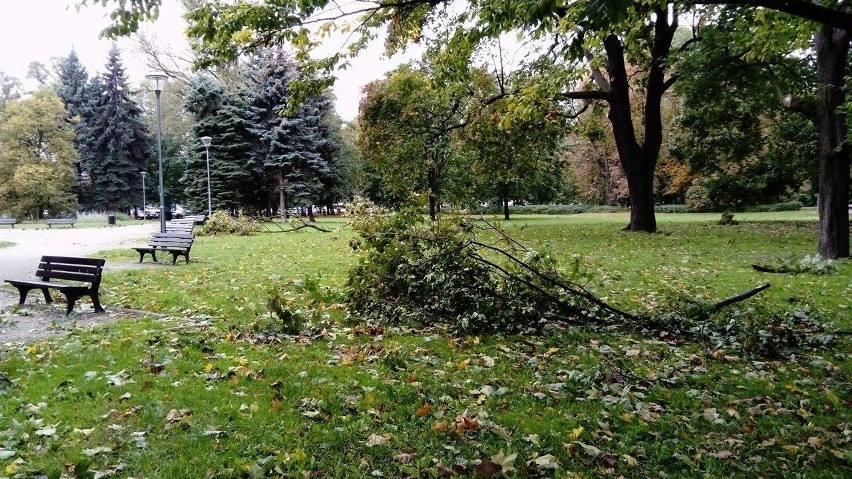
[[40, 30]]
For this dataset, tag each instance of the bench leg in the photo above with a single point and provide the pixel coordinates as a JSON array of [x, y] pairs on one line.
[[71, 299], [96, 302], [23, 292], [47, 298]]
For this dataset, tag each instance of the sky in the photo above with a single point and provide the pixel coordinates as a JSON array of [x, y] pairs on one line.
[[41, 30]]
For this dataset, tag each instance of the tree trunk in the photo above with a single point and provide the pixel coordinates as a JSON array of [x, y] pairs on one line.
[[311, 217], [282, 197], [641, 191], [432, 183], [504, 196], [638, 161], [832, 47]]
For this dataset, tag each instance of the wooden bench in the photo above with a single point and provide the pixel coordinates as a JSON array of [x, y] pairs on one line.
[[197, 219], [60, 221], [8, 221], [177, 243], [180, 226], [78, 270]]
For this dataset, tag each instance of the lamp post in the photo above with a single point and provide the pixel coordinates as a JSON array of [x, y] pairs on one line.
[[206, 140], [157, 81], [144, 201]]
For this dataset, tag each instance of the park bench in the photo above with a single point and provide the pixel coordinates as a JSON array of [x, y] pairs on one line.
[[8, 221], [177, 243], [180, 226], [196, 219], [76, 271], [61, 221]]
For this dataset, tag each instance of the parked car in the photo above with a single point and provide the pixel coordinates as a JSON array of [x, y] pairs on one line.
[[152, 212], [178, 212]]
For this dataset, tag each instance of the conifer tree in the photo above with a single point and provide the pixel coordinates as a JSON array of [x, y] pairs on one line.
[[292, 148], [116, 143], [223, 118]]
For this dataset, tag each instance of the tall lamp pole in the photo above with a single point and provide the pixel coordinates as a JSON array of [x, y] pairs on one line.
[[157, 81], [206, 140], [144, 201]]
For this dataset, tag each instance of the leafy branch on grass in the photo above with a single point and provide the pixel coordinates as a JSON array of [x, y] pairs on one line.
[[474, 277], [295, 223]]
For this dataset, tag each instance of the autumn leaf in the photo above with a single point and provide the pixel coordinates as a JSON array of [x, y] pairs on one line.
[[424, 411]]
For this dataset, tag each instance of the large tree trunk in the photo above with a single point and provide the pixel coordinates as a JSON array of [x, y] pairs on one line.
[[832, 47], [639, 161]]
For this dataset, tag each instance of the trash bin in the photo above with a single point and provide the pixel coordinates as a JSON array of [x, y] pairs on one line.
[[111, 219]]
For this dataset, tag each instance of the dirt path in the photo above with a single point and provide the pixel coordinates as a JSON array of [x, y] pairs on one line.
[[37, 320]]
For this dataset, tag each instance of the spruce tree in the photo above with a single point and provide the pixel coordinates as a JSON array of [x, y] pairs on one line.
[[223, 118], [291, 148], [116, 142]]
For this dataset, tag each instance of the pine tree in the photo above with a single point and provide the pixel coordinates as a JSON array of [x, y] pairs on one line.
[[222, 118], [116, 142]]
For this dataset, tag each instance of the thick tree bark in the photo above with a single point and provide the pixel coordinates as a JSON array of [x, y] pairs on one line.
[[832, 47], [505, 207], [640, 161]]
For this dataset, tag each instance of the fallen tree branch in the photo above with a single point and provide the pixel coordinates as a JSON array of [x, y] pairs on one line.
[[740, 297], [767, 269]]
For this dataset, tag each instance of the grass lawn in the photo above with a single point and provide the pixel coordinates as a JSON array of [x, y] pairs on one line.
[[214, 390]]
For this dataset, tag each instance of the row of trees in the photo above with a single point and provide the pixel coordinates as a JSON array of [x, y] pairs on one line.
[[586, 49], [81, 143]]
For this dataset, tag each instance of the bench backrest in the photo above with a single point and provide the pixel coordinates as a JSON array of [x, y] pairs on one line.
[[76, 269], [62, 220], [8, 221], [172, 239]]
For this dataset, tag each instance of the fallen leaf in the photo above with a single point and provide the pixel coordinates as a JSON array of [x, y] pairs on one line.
[[424, 411]]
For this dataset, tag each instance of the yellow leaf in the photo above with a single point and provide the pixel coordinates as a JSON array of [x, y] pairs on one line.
[[815, 441], [276, 405], [208, 367], [576, 432], [790, 448], [11, 469]]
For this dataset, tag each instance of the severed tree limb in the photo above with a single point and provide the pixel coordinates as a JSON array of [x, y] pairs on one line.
[[767, 269], [739, 297]]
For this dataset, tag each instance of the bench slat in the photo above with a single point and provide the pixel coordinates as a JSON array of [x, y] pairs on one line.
[[74, 261]]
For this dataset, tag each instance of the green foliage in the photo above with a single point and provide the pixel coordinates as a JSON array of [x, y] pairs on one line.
[[786, 206], [672, 209], [37, 157], [727, 219], [222, 223], [415, 272]]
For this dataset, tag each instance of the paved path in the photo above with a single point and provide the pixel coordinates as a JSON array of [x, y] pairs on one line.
[[20, 260]]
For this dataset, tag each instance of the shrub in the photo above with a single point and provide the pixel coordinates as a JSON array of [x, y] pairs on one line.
[[697, 198], [788, 206], [672, 209], [222, 223], [727, 219]]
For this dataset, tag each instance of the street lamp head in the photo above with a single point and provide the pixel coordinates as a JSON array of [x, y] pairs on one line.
[[157, 81], [143, 173], [206, 140]]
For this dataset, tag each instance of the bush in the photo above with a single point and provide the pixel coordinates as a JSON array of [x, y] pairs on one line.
[[672, 209], [788, 206], [697, 198], [222, 223], [727, 219]]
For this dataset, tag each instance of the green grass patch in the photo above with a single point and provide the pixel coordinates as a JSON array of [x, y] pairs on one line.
[[222, 394]]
